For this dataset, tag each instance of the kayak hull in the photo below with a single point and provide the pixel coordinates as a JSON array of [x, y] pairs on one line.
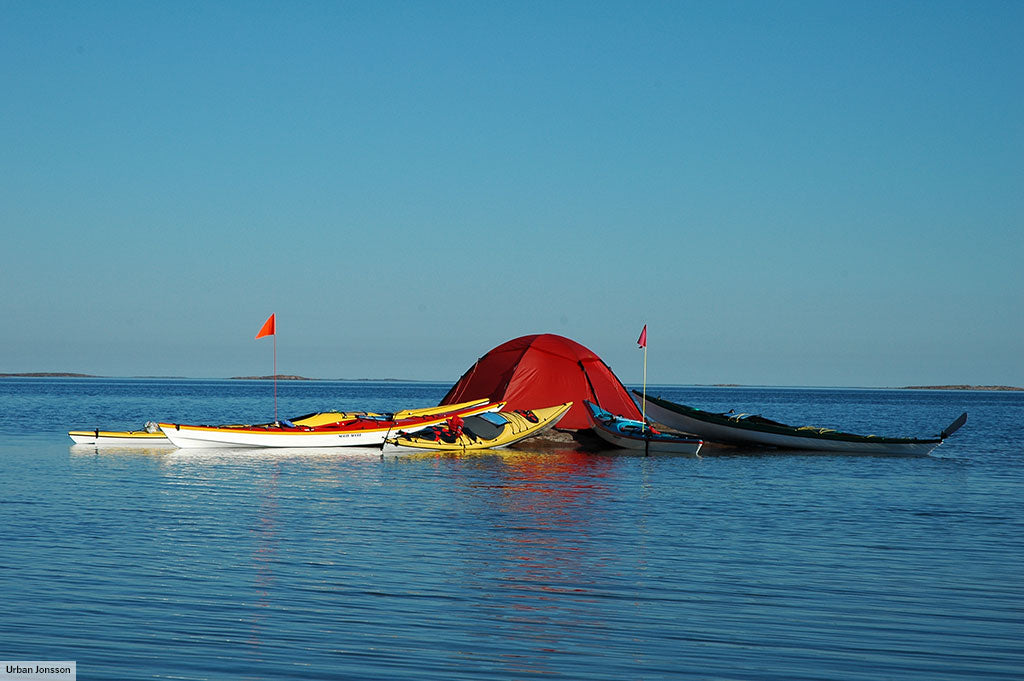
[[501, 430], [754, 431], [361, 431], [630, 434], [127, 438]]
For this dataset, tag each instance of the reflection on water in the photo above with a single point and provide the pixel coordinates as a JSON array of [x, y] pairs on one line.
[[264, 556], [529, 550], [120, 450]]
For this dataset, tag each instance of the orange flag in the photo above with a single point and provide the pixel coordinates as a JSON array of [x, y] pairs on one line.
[[268, 329], [641, 341]]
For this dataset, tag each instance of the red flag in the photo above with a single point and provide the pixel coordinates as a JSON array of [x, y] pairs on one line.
[[642, 340], [268, 329]]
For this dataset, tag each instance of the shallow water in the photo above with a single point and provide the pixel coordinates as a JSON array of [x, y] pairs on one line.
[[166, 563]]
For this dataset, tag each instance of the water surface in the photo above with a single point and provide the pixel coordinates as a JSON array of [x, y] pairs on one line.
[[336, 564]]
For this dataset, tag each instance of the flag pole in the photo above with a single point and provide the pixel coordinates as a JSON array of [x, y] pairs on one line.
[[642, 342], [275, 376], [269, 328], [643, 411]]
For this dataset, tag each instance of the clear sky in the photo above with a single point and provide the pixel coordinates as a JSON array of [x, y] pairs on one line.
[[787, 193]]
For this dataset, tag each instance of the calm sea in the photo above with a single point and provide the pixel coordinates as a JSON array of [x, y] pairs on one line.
[[149, 564]]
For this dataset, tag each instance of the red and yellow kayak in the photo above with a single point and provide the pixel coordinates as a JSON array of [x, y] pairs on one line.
[[352, 429]]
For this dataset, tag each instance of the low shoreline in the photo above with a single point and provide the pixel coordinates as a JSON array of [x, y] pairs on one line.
[[959, 387], [49, 374], [280, 377], [289, 377]]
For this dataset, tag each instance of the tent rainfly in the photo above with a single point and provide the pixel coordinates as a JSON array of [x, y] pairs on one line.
[[544, 370]]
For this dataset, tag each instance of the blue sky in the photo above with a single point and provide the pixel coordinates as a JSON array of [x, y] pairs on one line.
[[787, 193]]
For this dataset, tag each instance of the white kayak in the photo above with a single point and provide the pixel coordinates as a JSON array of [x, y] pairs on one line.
[[359, 430]]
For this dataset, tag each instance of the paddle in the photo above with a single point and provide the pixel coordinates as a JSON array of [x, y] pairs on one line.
[[953, 427]]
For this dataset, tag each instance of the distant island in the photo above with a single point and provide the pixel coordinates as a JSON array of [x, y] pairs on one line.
[[291, 377], [44, 374], [960, 387], [284, 377], [280, 377]]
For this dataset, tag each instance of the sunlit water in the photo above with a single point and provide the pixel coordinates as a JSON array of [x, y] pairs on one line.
[[508, 565]]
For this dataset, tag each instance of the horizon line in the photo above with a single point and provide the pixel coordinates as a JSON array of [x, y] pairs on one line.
[[300, 379]]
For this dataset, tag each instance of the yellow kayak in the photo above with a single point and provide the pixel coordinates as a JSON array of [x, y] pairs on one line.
[[135, 438], [326, 418], [484, 431]]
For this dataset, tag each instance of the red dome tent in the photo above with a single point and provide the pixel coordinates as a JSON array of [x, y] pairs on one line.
[[541, 371]]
